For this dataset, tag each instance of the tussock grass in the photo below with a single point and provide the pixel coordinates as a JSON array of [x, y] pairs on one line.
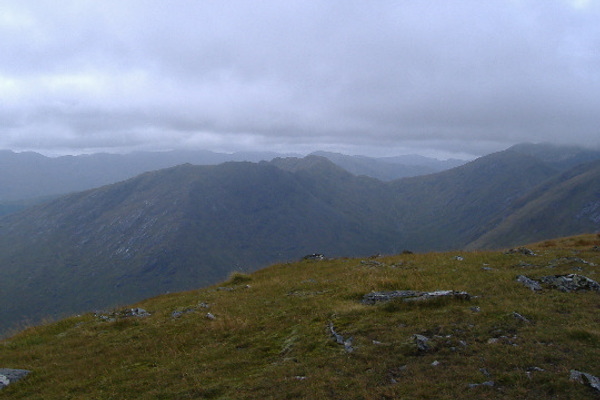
[[268, 335]]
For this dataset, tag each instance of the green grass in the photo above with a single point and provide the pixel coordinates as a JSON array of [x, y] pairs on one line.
[[270, 336]]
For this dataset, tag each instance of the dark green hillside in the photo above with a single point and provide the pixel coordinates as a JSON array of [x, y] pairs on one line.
[[448, 210], [303, 331], [176, 229], [567, 204]]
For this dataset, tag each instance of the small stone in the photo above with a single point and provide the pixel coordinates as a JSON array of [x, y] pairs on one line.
[[487, 383], [520, 317], [210, 316], [435, 363]]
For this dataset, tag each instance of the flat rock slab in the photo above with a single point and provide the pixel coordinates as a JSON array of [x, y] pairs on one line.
[[412, 295], [8, 376]]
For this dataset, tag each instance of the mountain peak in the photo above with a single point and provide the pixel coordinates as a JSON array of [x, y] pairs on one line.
[[308, 163]]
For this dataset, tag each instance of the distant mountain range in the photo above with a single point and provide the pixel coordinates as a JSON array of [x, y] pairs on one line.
[[30, 178], [188, 226]]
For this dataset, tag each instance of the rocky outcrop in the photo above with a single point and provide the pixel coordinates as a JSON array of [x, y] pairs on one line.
[[126, 313], [565, 283], [571, 282], [8, 376], [521, 250], [314, 257]]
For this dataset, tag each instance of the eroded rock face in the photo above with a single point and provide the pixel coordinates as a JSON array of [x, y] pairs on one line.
[[8, 376]]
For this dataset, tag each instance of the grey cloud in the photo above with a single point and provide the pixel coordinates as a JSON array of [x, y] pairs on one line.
[[465, 76]]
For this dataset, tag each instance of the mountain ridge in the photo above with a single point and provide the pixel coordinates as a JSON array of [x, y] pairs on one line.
[[33, 177]]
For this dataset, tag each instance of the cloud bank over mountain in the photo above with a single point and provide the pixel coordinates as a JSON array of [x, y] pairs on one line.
[[365, 78]]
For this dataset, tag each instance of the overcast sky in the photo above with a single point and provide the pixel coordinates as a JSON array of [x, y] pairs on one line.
[[359, 77]]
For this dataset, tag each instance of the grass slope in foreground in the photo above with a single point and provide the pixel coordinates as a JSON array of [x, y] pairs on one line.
[[268, 334]]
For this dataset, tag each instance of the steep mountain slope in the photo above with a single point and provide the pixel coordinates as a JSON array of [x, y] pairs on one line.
[[567, 204], [177, 229], [304, 331], [449, 209]]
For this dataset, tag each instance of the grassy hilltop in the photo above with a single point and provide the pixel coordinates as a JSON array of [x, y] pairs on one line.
[[271, 334]]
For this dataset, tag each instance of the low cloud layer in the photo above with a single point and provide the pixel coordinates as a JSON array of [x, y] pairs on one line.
[[384, 77]]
